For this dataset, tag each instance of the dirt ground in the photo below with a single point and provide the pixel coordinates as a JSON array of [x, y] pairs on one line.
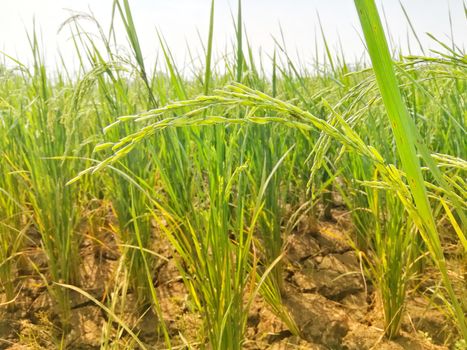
[[325, 293]]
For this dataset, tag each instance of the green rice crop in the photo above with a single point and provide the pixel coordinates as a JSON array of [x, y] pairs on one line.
[[223, 165]]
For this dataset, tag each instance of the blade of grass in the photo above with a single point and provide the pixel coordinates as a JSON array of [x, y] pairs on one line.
[[406, 140]]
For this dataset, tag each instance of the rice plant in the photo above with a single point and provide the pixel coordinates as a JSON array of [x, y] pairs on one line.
[[221, 165]]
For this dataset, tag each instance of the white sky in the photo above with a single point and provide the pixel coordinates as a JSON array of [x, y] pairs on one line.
[[179, 21]]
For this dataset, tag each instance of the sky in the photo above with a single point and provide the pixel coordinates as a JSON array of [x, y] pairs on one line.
[[183, 22]]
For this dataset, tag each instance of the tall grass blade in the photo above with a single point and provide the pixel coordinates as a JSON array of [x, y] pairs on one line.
[[406, 140]]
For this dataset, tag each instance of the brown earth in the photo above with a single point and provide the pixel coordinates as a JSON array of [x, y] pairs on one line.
[[324, 292]]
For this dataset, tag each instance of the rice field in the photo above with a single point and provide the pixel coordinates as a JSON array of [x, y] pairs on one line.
[[264, 205]]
